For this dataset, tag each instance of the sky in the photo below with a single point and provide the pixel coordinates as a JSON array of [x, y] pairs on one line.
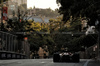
[[42, 4]]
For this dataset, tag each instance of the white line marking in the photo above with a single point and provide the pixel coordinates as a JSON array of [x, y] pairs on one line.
[[86, 63], [42, 62]]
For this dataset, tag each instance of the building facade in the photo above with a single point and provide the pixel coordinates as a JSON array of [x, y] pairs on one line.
[[19, 1], [13, 6]]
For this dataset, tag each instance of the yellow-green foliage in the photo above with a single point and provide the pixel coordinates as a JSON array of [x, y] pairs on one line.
[[37, 26]]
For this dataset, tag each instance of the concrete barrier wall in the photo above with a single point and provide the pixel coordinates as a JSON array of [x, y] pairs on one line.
[[11, 55]]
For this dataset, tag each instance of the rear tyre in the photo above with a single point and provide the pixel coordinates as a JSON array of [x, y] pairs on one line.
[[56, 57], [75, 58]]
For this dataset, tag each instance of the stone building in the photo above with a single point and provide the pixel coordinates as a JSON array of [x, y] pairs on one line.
[[14, 5]]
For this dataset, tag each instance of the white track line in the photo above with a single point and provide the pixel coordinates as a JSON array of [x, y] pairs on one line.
[[86, 63]]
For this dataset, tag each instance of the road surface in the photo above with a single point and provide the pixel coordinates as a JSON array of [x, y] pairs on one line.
[[40, 62]]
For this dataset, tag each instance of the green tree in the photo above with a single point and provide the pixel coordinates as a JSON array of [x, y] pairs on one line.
[[3, 1], [40, 40], [77, 8], [56, 24]]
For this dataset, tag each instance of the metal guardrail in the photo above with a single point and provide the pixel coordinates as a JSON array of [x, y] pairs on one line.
[[7, 41], [11, 55], [9, 46]]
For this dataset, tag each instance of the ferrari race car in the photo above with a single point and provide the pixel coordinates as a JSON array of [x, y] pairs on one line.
[[66, 57]]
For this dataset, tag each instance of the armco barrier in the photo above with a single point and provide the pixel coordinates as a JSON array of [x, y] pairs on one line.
[[11, 55], [3, 55]]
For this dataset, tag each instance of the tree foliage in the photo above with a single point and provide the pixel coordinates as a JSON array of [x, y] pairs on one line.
[[71, 42], [77, 8], [55, 24], [3, 1]]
